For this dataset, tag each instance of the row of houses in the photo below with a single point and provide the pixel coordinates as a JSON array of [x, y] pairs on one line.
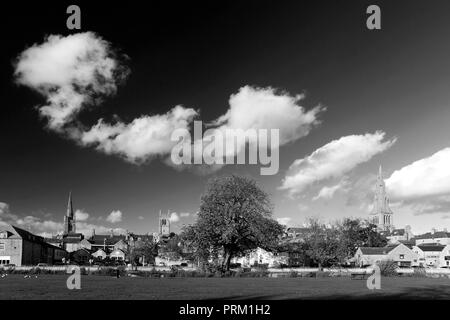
[[423, 255]]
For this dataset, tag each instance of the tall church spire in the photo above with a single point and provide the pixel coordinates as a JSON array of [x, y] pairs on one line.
[[381, 214], [69, 219], [69, 206]]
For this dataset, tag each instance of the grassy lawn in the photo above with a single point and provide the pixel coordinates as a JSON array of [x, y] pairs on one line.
[[103, 287]]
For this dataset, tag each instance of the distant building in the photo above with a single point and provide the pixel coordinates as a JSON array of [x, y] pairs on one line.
[[381, 214], [164, 224], [21, 247], [429, 254], [260, 256], [398, 235], [401, 254], [297, 233], [440, 237]]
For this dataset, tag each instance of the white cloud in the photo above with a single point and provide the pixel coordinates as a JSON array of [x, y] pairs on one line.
[[81, 215], [333, 160], [36, 225], [141, 218], [77, 71], [423, 178], [326, 193], [87, 228], [284, 221], [143, 138], [114, 217], [70, 72], [184, 214], [174, 217], [265, 108]]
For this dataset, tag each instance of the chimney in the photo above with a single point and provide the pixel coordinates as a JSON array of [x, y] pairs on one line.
[[112, 233], [93, 232]]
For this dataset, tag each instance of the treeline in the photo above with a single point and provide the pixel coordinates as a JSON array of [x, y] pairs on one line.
[[235, 217]]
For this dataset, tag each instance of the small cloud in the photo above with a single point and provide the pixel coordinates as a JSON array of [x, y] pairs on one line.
[[174, 217], [81, 215], [141, 218], [115, 216], [184, 214]]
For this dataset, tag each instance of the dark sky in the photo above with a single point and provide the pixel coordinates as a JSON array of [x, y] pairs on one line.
[[198, 53]]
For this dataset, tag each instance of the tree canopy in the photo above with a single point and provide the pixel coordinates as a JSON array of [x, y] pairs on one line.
[[235, 217]]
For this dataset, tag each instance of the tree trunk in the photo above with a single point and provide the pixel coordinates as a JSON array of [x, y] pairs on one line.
[[227, 260]]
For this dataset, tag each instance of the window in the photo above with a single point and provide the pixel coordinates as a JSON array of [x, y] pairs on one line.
[[402, 256], [2, 246]]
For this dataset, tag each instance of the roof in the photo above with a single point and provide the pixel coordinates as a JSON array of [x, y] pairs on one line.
[[431, 247], [437, 234], [376, 250], [105, 239], [28, 236]]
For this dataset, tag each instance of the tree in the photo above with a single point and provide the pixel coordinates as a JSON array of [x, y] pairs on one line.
[[146, 249], [235, 217], [322, 244], [355, 233]]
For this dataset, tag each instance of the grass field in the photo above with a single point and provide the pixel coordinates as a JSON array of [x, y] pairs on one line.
[[103, 287]]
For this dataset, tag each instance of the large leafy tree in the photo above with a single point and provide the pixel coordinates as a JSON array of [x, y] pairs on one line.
[[235, 217], [355, 233], [322, 243]]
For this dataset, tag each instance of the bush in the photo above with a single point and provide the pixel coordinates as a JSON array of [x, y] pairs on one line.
[[388, 268]]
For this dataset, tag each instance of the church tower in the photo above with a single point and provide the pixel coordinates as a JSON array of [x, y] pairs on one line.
[[69, 218], [164, 224], [381, 214]]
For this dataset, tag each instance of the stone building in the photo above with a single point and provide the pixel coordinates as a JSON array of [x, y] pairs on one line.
[[401, 254], [381, 214], [20, 247]]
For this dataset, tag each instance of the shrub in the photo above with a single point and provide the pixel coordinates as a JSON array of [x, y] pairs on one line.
[[388, 268]]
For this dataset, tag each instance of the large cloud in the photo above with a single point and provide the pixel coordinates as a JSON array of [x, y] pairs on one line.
[[78, 71], [71, 72], [426, 177], [333, 160], [265, 108], [143, 138]]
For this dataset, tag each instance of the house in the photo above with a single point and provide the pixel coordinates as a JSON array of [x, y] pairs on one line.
[[429, 254], [398, 235], [100, 254], [444, 257], [117, 254], [21, 247], [439, 237], [81, 256], [401, 254], [295, 233], [107, 242], [261, 256]]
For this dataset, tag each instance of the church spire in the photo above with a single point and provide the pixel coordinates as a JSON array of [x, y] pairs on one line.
[[69, 206], [382, 214], [69, 218]]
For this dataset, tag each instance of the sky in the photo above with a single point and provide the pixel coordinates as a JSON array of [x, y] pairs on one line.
[[91, 111]]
